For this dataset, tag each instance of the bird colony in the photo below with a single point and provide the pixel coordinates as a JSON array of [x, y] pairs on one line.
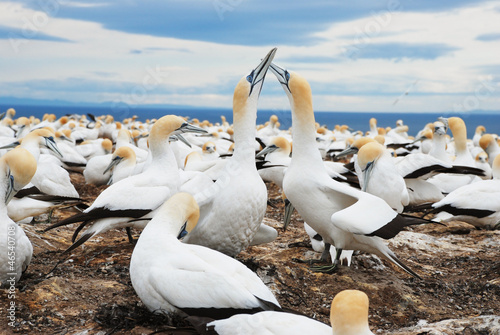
[[195, 196]]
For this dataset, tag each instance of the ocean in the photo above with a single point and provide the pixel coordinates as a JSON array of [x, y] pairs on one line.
[[355, 120]]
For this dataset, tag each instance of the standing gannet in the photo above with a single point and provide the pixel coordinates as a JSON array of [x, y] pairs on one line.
[[233, 208], [131, 198], [381, 177], [480, 131], [174, 277], [477, 203], [17, 167], [345, 217]]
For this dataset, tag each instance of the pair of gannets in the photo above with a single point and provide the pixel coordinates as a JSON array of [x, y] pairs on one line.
[[17, 167], [173, 277]]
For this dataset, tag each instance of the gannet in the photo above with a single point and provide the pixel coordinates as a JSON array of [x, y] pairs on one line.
[[381, 177], [345, 217], [122, 164], [174, 277], [477, 203], [121, 204], [480, 131], [50, 177], [276, 160], [233, 208], [348, 316], [490, 145], [17, 167]]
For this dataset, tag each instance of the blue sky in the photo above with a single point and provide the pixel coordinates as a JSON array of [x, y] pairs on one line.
[[392, 55]]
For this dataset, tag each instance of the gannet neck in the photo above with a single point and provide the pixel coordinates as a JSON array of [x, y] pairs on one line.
[[303, 122], [244, 119], [458, 129], [495, 167]]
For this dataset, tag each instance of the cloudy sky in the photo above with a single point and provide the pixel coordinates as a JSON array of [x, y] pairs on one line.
[[364, 55]]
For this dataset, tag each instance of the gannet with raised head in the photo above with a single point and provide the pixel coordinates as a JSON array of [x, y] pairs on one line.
[[345, 217], [17, 167], [233, 208], [175, 277], [121, 204]]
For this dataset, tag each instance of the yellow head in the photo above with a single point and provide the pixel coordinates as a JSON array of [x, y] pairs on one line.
[[349, 312]]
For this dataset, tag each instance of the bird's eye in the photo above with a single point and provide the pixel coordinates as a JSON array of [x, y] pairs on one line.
[[249, 78], [287, 75]]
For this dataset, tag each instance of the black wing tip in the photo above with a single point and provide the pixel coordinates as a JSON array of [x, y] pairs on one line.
[[85, 237]]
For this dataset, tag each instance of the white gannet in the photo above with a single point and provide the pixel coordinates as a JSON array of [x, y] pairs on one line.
[[171, 276], [348, 316], [345, 217], [381, 177], [480, 131], [122, 164], [477, 203], [233, 208], [276, 160], [483, 163], [17, 167], [121, 204], [490, 145]]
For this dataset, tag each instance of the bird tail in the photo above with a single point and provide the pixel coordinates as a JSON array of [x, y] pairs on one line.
[[392, 257]]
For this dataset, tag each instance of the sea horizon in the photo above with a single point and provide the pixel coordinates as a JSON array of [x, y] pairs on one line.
[[355, 120]]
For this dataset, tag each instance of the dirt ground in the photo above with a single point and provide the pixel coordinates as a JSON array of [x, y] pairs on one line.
[[89, 291]]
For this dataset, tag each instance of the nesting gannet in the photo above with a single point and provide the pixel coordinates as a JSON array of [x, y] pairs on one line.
[[482, 163], [381, 177], [122, 164], [17, 167], [50, 177], [490, 145], [170, 276], [276, 160], [121, 204], [345, 217], [477, 203], [348, 316], [233, 208]]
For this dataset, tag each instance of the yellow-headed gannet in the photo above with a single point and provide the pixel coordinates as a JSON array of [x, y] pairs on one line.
[[175, 277], [17, 167], [345, 217], [233, 208]]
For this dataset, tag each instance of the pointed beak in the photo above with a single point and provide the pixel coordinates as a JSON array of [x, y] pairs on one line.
[[288, 214], [11, 145], [348, 151], [66, 138], [189, 128], [366, 175], [114, 162], [282, 74], [10, 190], [183, 232], [256, 78], [51, 144], [267, 150], [182, 139]]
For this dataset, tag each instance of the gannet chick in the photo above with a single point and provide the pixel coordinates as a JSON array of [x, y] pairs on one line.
[[233, 208], [17, 167], [349, 313], [345, 217], [174, 277]]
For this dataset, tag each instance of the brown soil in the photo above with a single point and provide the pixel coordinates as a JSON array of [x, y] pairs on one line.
[[90, 289]]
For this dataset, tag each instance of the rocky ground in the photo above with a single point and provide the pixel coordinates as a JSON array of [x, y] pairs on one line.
[[89, 291]]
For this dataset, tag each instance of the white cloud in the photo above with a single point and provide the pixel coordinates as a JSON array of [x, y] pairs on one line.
[[205, 67]]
